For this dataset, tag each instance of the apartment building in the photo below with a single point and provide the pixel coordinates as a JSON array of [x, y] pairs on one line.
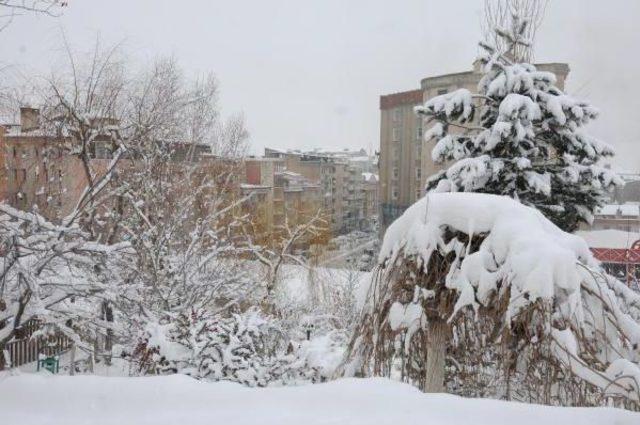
[[405, 161], [340, 177], [370, 201], [277, 198], [36, 169]]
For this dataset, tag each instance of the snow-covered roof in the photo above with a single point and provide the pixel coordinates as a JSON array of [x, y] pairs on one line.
[[629, 177], [615, 239], [360, 159], [370, 176], [253, 186], [289, 173], [625, 210]]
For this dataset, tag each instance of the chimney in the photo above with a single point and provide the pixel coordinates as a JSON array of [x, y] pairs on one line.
[[29, 119]]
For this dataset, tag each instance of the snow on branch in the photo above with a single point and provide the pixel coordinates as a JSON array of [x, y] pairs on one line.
[[519, 135], [491, 271], [454, 105]]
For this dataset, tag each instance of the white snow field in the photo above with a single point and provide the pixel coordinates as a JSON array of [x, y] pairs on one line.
[[41, 399]]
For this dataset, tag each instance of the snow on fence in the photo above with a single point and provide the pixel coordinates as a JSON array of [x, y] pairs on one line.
[[26, 349]]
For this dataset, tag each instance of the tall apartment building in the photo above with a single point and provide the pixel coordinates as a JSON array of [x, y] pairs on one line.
[[405, 161]]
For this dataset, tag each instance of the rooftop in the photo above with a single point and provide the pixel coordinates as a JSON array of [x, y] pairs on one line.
[[625, 210], [613, 239]]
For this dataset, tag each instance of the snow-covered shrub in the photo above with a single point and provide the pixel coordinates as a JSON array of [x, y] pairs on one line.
[[55, 274], [488, 294], [249, 348], [519, 136], [240, 347]]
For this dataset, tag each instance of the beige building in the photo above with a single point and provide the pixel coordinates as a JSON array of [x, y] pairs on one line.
[[278, 197], [405, 161], [339, 176]]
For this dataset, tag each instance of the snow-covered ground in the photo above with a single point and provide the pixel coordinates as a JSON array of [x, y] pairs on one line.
[[42, 399]]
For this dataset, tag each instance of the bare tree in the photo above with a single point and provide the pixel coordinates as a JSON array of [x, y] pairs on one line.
[[52, 273], [503, 15], [145, 141], [14, 8], [277, 248]]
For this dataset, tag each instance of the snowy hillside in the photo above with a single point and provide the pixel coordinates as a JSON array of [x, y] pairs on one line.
[[40, 399]]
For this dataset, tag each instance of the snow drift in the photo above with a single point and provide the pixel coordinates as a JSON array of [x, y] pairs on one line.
[[40, 399]]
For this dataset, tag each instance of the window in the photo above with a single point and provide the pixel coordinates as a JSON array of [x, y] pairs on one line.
[[41, 200], [19, 175], [419, 132], [396, 172], [442, 91], [20, 200], [418, 193], [103, 151], [396, 134], [418, 150], [397, 114], [418, 173], [394, 193], [396, 153]]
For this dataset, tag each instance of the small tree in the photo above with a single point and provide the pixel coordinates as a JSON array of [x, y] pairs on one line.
[[55, 274], [278, 247], [520, 136], [479, 295]]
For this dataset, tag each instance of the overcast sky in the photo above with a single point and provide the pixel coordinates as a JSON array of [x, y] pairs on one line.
[[309, 73]]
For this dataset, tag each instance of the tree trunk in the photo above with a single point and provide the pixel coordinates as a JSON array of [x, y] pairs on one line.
[[437, 339], [72, 361]]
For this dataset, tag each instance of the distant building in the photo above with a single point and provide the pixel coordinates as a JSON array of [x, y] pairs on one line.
[[278, 198], [36, 169], [339, 175], [625, 217], [370, 201], [630, 191], [405, 158], [39, 169]]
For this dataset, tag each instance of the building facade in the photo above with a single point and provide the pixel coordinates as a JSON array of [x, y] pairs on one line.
[[343, 189]]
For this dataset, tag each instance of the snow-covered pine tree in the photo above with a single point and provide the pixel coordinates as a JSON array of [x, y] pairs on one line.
[[520, 136]]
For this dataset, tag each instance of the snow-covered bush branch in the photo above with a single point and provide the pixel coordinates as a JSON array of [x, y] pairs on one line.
[[482, 286], [53, 274]]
